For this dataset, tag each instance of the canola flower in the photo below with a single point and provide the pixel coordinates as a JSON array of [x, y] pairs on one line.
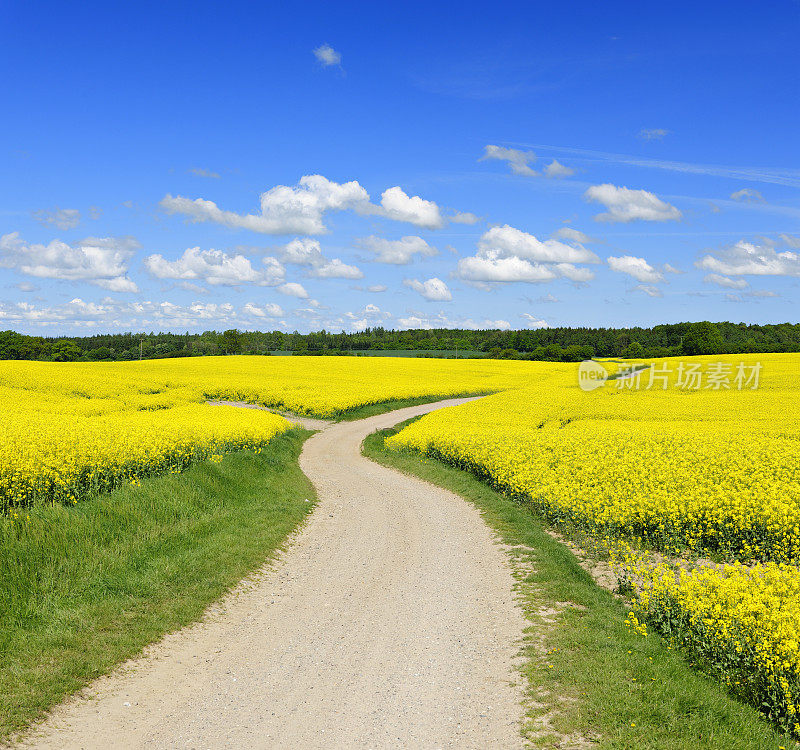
[[697, 470], [705, 470], [73, 429], [741, 623]]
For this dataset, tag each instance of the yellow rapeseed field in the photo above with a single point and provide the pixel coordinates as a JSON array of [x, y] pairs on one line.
[[74, 428], [708, 464]]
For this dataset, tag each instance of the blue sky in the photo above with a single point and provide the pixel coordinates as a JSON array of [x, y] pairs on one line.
[[171, 166]]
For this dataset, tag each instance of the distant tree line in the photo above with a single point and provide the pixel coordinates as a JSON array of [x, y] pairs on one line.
[[554, 344]]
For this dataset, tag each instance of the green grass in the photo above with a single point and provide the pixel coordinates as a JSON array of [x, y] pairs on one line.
[[83, 588], [371, 410], [601, 680]]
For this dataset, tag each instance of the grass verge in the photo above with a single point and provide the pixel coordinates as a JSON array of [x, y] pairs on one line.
[[590, 678], [83, 588]]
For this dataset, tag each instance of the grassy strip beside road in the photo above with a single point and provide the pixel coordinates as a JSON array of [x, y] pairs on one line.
[[589, 675], [84, 588]]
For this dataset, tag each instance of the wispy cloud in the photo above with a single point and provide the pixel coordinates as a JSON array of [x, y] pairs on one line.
[[775, 176]]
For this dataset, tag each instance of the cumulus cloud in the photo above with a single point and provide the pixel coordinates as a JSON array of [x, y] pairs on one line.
[[335, 269], [269, 310], [653, 134], [485, 269], [507, 241], [463, 217], [649, 290], [433, 289], [533, 322], [507, 254], [426, 321], [102, 261], [285, 209], [300, 209], [725, 281], [293, 289], [308, 252], [747, 195], [113, 314], [573, 235], [638, 268], [625, 205], [555, 169], [397, 205], [215, 267], [397, 252], [327, 55], [791, 241], [518, 161], [63, 218], [366, 317], [750, 259]]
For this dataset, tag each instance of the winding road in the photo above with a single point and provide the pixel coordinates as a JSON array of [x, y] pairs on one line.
[[388, 622]]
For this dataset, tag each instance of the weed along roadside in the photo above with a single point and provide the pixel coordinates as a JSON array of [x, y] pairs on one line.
[[591, 680]]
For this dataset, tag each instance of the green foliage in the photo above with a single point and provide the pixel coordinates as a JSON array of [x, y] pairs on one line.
[[65, 350], [702, 338]]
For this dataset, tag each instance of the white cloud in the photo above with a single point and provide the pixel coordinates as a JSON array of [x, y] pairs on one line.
[[215, 267], [335, 269], [300, 209], [652, 134], [725, 281], [397, 205], [366, 317], [433, 289], [464, 217], [748, 259], [764, 293], [638, 268], [573, 273], [284, 209], [24, 286], [573, 235], [327, 55], [649, 290], [377, 288], [548, 298], [671, 269], [480, 268], [269, 310], [747, 195], [425, 321], [397, 252], [518, 161], [508, 254], [95, 212], [626, 205], [63, 218], [112, 314], [303, 252], [308, 252], [791, 241], [200, 172], [293, 289], [507, 241], [102, 261], [555, 169], [534, 322]]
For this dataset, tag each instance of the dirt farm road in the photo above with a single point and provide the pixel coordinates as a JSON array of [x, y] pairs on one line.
[[388, 622]]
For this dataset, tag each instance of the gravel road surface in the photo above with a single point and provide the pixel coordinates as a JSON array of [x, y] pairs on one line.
[[388, 622]]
